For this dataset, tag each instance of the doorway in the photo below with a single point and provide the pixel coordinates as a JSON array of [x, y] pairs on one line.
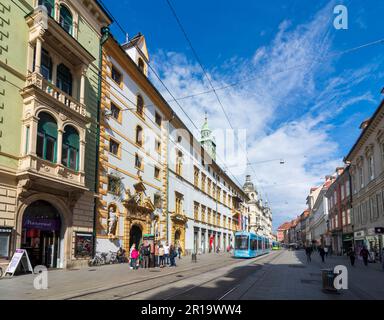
[[41, 234], [135, 236], [177, 238]]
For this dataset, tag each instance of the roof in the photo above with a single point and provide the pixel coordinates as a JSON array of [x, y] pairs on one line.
[[284, 226], [365, 130], [104, 9]]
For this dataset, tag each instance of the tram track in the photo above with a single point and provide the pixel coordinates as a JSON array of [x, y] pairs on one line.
[[141, 281], [171, 278]]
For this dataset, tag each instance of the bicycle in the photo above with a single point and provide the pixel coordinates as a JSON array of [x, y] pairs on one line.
[[97, 260]]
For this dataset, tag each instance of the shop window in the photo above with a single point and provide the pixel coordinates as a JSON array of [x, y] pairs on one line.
[[5, 240], [66, 19], [46, 145], [64, 79], [71, 147]]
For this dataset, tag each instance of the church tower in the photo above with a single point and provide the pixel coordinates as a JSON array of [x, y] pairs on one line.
[[207, 140]]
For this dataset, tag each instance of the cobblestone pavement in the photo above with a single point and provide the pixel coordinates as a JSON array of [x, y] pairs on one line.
[[278, 275]]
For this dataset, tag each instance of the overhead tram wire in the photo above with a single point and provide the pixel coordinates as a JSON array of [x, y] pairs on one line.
[[210, 83], [161, 81], [250, 79]]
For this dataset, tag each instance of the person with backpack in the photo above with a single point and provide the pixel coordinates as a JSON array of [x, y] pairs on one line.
[[145, 252]]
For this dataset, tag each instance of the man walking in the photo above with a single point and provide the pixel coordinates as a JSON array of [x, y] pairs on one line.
[[146, 252], [365, 253], [308, 252], [352, 256], [322, 253]]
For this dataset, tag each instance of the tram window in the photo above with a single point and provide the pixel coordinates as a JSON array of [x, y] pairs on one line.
[[253, 244], [241, 243], [259, 244]]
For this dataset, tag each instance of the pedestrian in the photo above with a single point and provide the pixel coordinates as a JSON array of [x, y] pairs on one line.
[[172, 256], [179, 251], [145, 252], [166, 253], [130, 253], [134, 255], [157, 255], [326, 251], [365, 253], [161, 256], [322, 253], [382, 259], [308, 252], [352, 256]]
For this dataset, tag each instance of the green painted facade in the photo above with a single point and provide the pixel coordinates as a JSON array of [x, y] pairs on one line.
[[13, 71]]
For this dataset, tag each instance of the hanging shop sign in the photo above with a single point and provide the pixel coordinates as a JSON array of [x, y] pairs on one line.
[[359, 234], [379, 230]]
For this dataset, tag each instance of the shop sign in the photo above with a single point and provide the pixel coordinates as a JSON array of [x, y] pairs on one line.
[[371, 232], [379, 230], [20, 256], [359, 234], [348, 237], [42, 224], [5, 230]]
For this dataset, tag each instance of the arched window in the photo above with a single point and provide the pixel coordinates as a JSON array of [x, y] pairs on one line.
[[50, 5], [141, 64], [66, 20], [140, 105], [139, 135], [46, 145], [71, 146], [64, 79]]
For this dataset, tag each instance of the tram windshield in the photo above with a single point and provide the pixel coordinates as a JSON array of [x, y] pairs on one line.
[[241, 242]]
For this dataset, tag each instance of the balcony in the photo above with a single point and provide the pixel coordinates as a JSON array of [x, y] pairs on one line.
[[53, 95]]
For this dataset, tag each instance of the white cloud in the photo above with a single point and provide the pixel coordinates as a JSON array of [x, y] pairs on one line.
[[283, 108]]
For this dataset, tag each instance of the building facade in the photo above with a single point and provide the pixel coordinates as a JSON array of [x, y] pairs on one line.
[[49, 62], [366, 160]]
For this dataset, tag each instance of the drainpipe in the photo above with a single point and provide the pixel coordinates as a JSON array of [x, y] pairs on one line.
[[104, 37], [168, 146]]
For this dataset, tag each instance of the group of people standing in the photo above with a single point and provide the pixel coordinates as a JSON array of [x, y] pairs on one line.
[[161, 255], [323, 252]]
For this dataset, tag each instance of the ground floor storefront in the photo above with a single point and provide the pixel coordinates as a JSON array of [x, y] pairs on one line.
[[372, 239], [55, 228]]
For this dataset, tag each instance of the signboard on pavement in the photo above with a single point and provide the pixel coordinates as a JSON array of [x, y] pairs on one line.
[[20, 256]]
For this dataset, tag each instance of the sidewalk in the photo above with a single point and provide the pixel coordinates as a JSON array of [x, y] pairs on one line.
[[63, 283], [365, 282]]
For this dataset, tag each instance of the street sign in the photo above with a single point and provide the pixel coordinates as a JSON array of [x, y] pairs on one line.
[[20, 255]]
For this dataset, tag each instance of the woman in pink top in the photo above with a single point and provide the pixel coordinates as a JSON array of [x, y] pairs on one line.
[[134, 256]]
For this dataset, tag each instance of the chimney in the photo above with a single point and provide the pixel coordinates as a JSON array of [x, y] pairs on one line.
[[365, 123], [339, 170]]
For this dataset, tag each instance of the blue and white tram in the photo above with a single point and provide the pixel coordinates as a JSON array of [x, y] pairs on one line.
[[250, 245]]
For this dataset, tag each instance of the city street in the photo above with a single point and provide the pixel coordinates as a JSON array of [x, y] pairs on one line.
[[279, 275]]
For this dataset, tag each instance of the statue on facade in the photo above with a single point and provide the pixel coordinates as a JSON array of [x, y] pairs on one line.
[[112, 219]]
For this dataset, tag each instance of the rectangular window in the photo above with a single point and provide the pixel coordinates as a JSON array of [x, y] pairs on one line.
[[50, 148], [157, 173], [5, 236], [179, 204], [115, 111], [371, 170], [196, 211], [196, 177], [138, 162], [343, 217], [348, 220], [158, 119], [342, 191], [203, 179], [347, 188], [113, 184], [158, 146], [116, 75], [26, 139], [361, 177], [179, 164], [203, 212], [114, 147]]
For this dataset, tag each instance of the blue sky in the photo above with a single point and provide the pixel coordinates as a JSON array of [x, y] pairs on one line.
[[308, 115]]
